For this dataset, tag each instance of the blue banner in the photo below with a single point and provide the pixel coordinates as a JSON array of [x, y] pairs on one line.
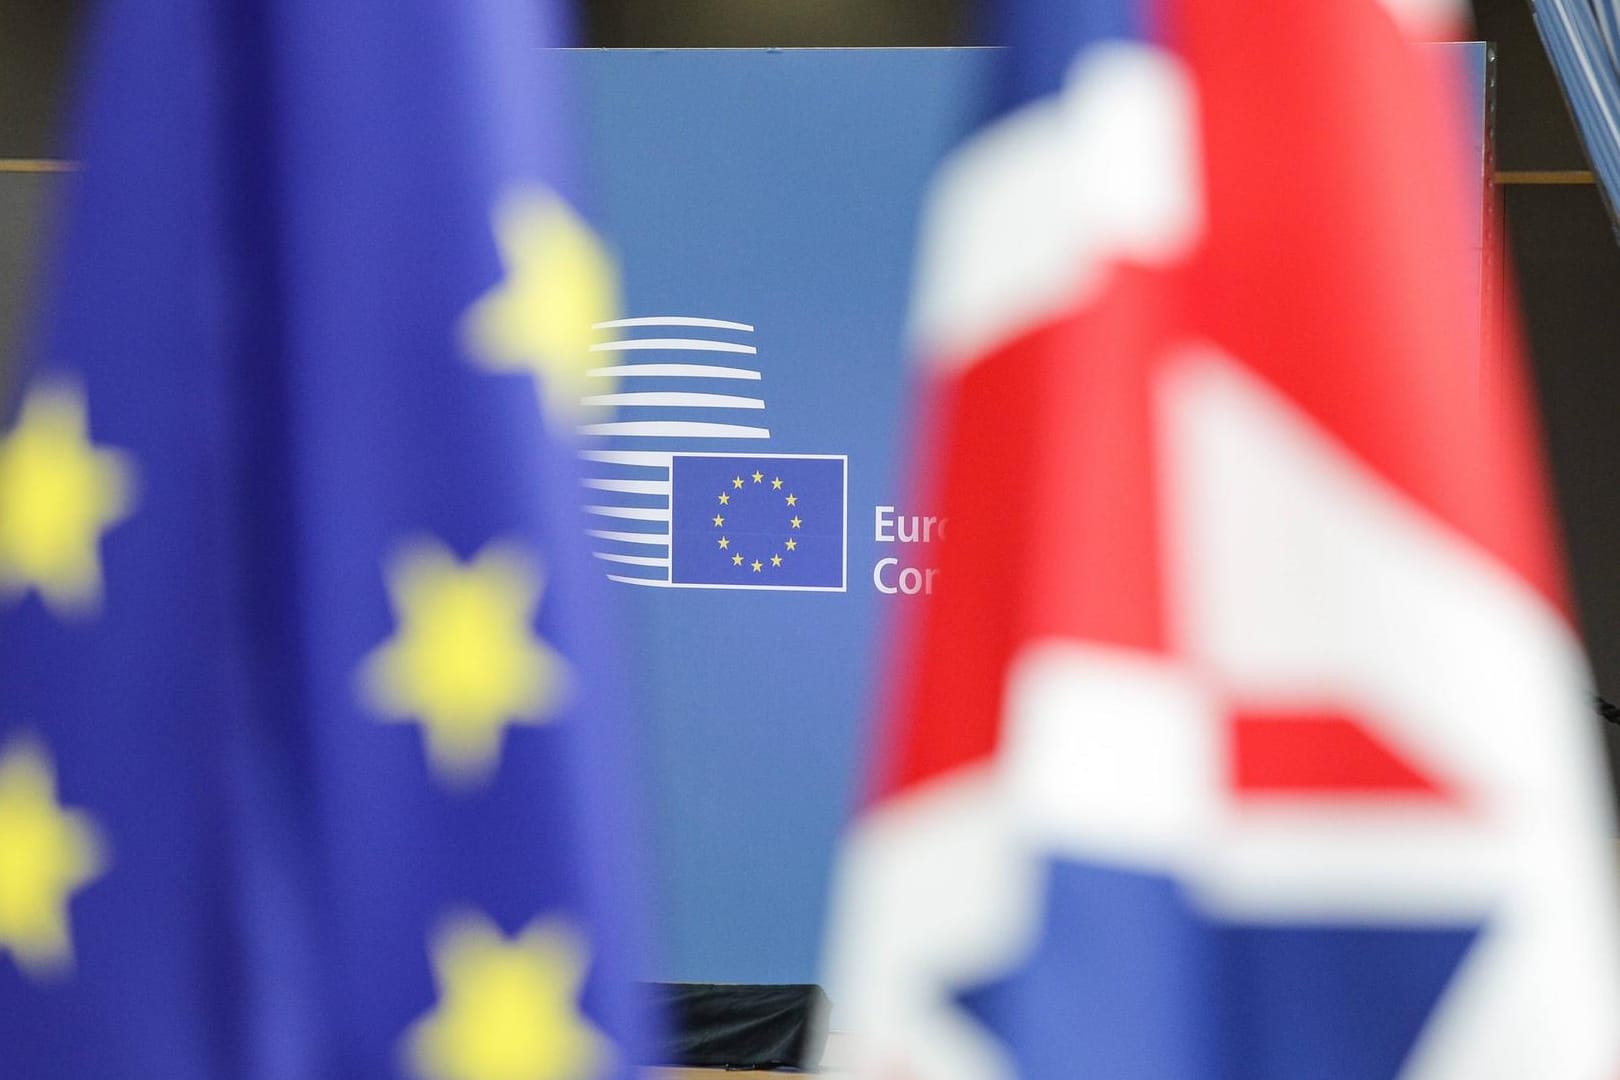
[[765, 204]]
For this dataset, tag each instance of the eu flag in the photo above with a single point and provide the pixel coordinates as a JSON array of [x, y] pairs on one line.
[[762, 521], [307, 741]]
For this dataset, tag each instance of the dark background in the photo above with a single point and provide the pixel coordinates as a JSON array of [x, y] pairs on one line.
[[1565, 253]]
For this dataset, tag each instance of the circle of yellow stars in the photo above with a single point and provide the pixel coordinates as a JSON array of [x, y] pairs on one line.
[[464, 661], [47, 853], [59, 493], [791, 544]]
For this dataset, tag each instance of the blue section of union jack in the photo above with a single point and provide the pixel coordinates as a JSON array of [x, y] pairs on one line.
[[1133, 952]]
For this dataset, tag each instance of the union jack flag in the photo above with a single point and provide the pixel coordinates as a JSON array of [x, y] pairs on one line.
[[1243, 735]]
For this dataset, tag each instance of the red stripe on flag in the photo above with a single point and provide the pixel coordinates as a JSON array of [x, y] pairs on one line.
[[944, 710], [1044, 470], [1333, 257], [1320, 752]]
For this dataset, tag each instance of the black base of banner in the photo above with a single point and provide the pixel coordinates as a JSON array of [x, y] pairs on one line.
[[741, 1026]]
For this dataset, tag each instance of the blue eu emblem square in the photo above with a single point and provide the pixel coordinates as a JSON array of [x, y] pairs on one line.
[[759, 521]]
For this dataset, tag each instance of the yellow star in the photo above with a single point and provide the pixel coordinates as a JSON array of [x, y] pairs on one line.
[[776, 560], [724, 498], [508, 1009], [736, 560], [758, 566], [791, 544], [719, 520], [795, 522], [758, 476], [737, 483], [776, 483], [464, 660], [59, 493], [792, 500], [559, 282], [47, 854], [724, 543]]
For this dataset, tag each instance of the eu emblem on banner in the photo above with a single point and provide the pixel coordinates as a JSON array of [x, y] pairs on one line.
[[759, 521]]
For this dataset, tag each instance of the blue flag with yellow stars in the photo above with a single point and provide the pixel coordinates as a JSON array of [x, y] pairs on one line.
[[771, 521], [309, 763]]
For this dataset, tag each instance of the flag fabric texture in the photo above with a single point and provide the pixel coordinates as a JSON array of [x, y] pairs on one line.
[[1582, 38], [309, 751], [1243, 733]]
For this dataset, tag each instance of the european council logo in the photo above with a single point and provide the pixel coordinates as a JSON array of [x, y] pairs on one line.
[[771, 521], [675, 505]]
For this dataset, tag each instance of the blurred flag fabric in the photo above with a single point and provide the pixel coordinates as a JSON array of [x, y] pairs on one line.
[[1243, 734], [309, 752], [1582, 38]]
